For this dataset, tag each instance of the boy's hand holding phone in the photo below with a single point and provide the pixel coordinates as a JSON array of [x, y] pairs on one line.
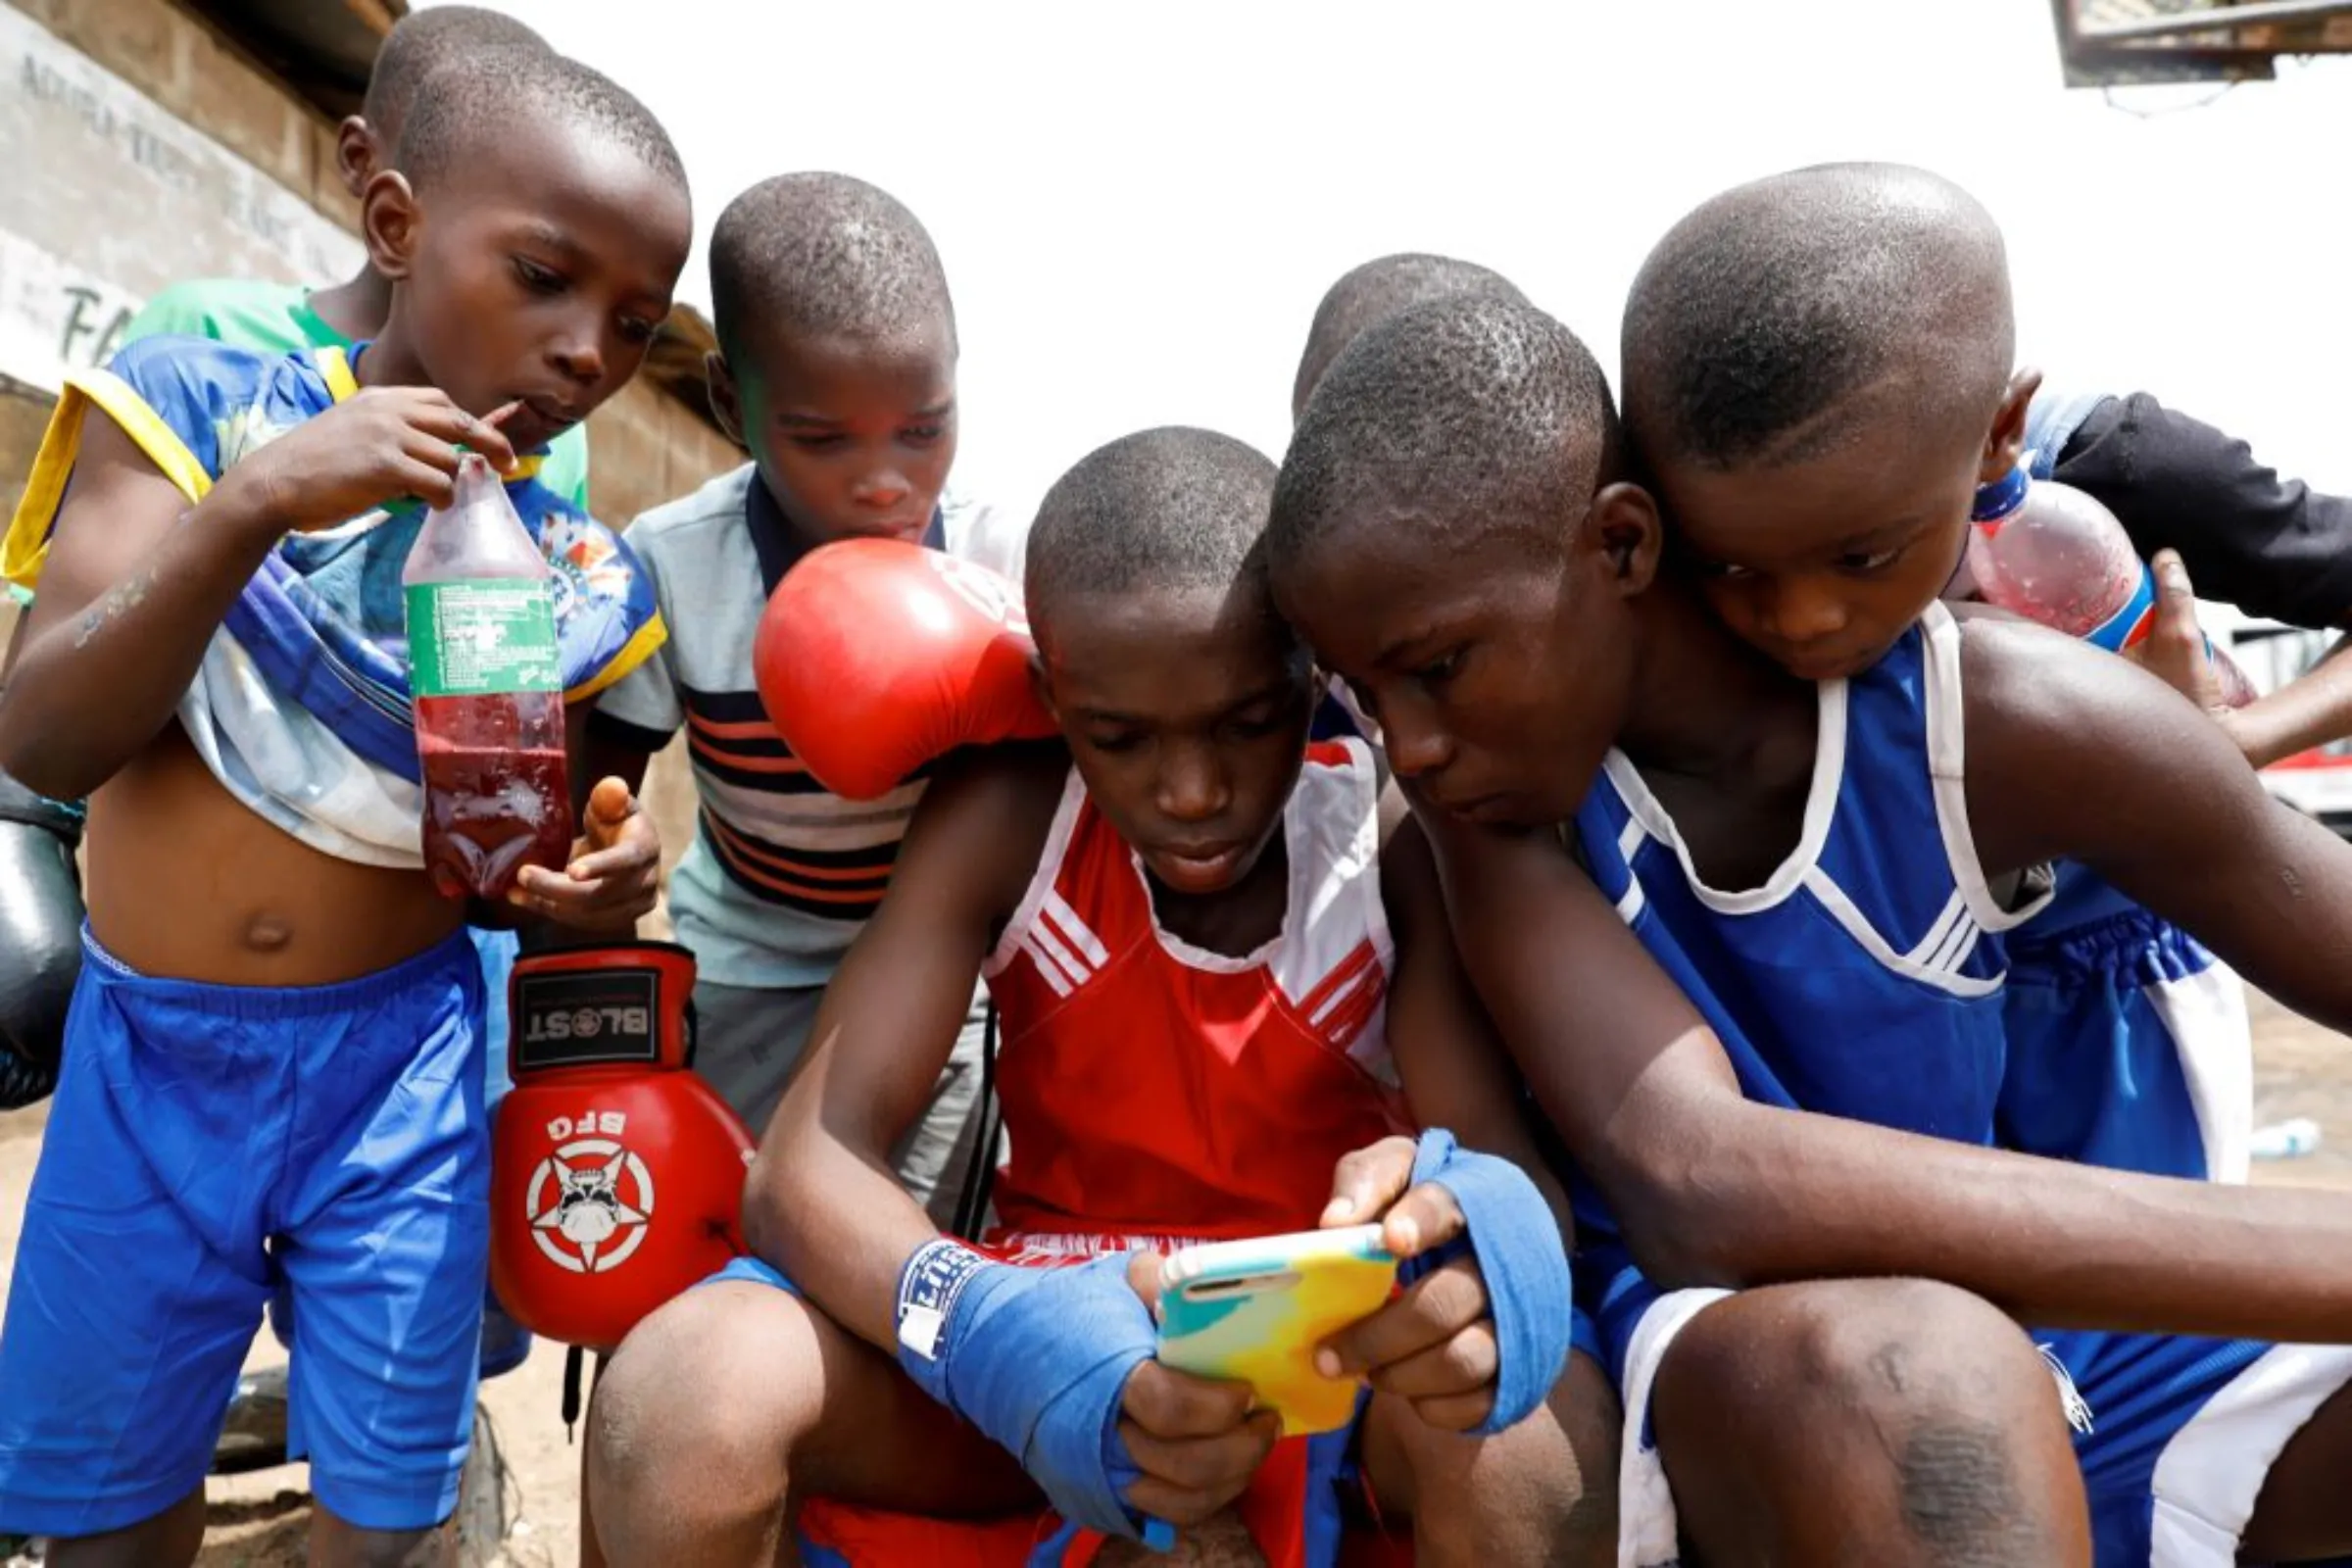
[[1481, 1333], [1198, 1440]]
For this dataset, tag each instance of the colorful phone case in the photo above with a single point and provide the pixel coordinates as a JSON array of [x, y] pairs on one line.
[[1256, 1312]]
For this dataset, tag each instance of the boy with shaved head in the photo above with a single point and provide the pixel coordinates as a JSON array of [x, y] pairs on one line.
[[836, 366], [440, 45], [1213, 978], [1745, 933], [289, 316], [273, 1072], [1378, 288]]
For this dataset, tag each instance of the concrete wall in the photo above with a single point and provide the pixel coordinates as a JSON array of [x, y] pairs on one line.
[[141, 148]]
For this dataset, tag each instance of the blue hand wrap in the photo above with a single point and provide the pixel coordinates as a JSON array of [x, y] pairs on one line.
[[1513, 1237], [1036, 1359]]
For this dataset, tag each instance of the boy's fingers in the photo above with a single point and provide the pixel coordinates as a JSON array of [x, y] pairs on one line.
[[1462, 1364], [1426, 1217], [612, 860], [1157, 1499], [1168, 1404], [1457, 1412], [2171, 576], [1432, 1310], [613, 815], [434, 487], [444, 424], [562, 887], [1222, 1463], [1366, 1181], [1143, 1277], [489, 438], [612, 800]]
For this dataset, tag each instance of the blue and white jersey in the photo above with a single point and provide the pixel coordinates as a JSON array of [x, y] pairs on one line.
[[1875, 975], [1864, 977], [2129, 1041]]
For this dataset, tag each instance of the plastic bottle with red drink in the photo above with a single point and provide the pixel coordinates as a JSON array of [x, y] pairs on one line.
[[486, 681], [2054, 554]]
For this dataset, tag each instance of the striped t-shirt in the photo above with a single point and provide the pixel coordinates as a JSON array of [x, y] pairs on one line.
[[781, 875]]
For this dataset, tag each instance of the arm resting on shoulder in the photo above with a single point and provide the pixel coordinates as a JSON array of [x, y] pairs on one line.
[[1713, 1189]]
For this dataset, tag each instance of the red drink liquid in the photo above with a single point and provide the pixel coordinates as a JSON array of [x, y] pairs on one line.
[[490, 809], [485, 681]]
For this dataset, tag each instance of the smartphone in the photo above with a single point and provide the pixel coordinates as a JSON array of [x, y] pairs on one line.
[[1256, 1312]]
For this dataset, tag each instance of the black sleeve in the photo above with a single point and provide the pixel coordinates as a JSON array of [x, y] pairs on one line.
[[2271, 547]]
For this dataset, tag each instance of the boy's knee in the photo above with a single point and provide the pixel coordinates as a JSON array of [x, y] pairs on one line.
[[1542, 1491], [692, 1420], [1915, 1413], [1897, 1354]]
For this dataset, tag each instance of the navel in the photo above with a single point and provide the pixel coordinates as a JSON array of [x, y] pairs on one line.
[[267, 933]]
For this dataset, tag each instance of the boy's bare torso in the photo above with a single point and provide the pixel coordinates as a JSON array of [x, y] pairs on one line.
[[184, 880]]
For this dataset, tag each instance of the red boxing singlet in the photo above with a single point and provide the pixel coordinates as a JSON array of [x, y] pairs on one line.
[[1157, 1094], [1152, 1089]]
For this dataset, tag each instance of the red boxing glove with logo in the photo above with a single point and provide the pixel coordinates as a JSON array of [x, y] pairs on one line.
[[876, 656], [615, 1174]]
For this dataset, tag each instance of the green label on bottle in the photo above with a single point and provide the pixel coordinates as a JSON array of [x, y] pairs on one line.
[[469, 639]]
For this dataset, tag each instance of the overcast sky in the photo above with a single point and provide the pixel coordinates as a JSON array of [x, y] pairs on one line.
[[1138, 204]]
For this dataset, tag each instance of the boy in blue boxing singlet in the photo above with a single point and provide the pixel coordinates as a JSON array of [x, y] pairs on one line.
[[1785, 1078], [274, 1065]]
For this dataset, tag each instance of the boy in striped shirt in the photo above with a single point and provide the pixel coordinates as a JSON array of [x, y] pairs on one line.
[[836, 366]]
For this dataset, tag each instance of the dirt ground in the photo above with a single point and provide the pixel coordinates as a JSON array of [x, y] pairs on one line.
[[259, 1520]]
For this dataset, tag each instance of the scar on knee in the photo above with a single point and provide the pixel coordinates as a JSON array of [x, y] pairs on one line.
[[1888, 1361], [1960, 1496]]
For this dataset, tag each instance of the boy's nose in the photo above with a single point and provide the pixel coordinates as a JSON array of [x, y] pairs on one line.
[[580, 358], [1192, 789], [1803, 611], [885, 488], [1416, 747]]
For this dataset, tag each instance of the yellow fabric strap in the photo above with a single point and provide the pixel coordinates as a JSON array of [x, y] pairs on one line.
[[335, 366], [26, 547], [639, 648]]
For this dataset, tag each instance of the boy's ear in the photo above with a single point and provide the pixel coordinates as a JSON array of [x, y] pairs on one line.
[[357, 153], [1624, 528], [727, 404], [1041, 687], [2005, 443], [390, 222]]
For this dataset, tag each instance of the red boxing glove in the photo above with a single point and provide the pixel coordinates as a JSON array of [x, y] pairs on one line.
[[875, 656], [615, 1174]]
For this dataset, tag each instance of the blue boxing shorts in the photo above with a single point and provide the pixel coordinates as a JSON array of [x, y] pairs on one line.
[[208, 1143]]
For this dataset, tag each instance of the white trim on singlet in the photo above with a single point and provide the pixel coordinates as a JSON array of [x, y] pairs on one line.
[[1629, 840], [1939, 971], [1331, 836], [1947, 767], [1650, 817], [1332, 903], [1020, 930]]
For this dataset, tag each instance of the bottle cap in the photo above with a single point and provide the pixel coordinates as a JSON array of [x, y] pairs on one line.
[[2003, 497]]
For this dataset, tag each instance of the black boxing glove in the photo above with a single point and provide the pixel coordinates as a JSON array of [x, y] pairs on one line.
[[40, 938]]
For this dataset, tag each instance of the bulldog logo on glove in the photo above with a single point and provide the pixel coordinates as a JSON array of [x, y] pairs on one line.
[[590, 1203]]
